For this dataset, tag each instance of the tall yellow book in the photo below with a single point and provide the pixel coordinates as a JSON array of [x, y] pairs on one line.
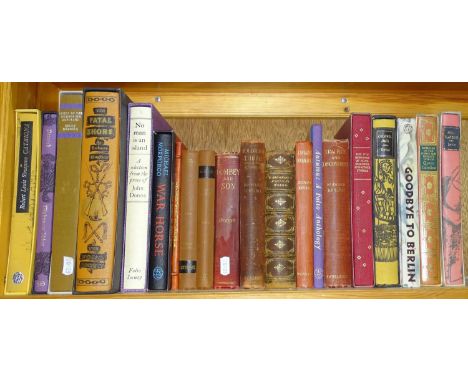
[[27, 173]]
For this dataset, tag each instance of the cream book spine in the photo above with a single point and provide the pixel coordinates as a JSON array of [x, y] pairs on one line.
[[138, 199], [408, 202]]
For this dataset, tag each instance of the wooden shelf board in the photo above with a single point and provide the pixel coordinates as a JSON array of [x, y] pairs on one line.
[[282, 100], [356, 293]]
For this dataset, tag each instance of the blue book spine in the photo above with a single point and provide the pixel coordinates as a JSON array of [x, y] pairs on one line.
[[160, 251]]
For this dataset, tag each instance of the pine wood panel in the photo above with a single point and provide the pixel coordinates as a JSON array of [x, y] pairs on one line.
[[374, 293], [275, 87], [328, 100]]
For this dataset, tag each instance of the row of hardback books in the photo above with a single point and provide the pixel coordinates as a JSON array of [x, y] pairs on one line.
[[107, 198]]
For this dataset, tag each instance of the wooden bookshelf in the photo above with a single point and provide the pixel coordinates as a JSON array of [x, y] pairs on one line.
[[356, 293], [218, 115]]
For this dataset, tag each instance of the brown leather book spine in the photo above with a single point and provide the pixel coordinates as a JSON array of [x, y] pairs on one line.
[[336, 214], [252, 214], [280, 264], [205, 230], [179, 149], [226, 269], [188, 221], [304, 226]]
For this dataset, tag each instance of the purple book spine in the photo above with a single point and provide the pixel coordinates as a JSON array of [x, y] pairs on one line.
[[46, 203], [316, 138]]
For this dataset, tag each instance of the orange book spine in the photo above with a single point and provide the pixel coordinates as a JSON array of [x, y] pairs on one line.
[[102, 196], [179, 149], [429, 217]]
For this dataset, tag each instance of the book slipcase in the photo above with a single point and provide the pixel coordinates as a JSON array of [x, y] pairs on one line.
[[278, 114]]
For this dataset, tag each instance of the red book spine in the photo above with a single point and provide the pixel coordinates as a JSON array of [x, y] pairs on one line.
[[179, 148], [226, 269], [304, 218], [336, 214], [451, 200], [361, 200]]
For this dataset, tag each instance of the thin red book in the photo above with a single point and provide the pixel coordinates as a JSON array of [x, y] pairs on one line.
[[304, 212], [358, 129], [179, 149]]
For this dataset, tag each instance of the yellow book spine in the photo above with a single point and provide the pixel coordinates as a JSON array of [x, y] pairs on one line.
[[67, 192], [385, 202], [27, 173]]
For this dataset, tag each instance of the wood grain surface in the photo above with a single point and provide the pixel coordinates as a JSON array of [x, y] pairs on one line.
[[336, 293]]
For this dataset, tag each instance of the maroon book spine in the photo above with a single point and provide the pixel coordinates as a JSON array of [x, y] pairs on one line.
[[226, 268], [358, 129]]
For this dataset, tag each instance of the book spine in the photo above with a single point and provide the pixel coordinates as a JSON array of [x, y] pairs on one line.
[[304, 219], [451, 200], [429, 206], [27, 172], [361, 200], [336, 217], [408, 201], [280, 254], [67, 192], [385, 201], [102, 196], [160, 253], [252, 215], [188, 221], [179, 149], [205, 218], [46, 203], [138, 199], [316, 136], [226, 264]]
